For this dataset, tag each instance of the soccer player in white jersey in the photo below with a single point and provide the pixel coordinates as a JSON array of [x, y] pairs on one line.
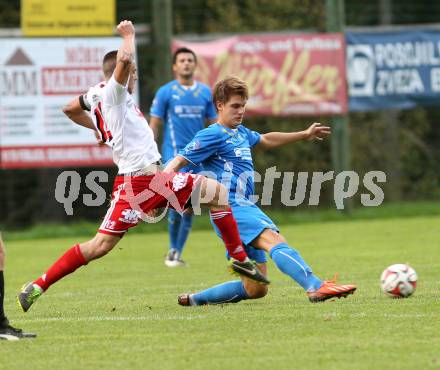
[[140, 186]]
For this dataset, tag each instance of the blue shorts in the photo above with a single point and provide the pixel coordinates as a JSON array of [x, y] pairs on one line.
[[251, 221]]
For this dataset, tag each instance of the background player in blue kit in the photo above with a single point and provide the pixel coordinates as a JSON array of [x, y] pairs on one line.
[[225, 147], [182, 106]]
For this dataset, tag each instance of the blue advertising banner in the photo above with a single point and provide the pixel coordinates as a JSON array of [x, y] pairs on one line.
[[393, 70]]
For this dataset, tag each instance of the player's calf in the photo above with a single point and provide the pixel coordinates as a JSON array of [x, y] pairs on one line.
[[248, 269], [254, 289]]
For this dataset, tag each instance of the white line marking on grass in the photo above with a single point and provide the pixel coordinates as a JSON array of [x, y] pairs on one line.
[[113, 318], [370, 315], [402, 315]]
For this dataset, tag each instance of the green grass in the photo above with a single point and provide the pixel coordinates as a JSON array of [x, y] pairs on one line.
[[283, 216], [121, 312]]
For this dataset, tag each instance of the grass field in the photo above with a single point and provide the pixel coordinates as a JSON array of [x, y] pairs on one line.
[[121, 312]]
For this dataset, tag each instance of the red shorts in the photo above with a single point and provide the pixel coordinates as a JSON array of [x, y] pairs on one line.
[[134, 197]]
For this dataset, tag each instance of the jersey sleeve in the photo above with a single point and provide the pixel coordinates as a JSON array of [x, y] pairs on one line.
[[114, 92], [84, 102], [202, 146], [253, 136], [159, 105], [90, 99]]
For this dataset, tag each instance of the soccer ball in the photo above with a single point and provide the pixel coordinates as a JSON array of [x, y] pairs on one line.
[[398, 281]]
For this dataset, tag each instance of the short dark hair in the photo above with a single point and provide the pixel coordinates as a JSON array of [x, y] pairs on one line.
[[181, 51], [228, 87], [109, 63]]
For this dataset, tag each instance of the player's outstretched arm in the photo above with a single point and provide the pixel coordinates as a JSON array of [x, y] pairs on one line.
[[125, 56], [274, 139], [75, 111], [176, 164]]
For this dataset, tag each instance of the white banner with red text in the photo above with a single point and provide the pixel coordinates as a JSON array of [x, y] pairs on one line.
[[38, 77]]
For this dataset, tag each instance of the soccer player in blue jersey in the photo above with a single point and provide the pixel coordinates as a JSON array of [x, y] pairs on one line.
[[225, 148], [182, 106]]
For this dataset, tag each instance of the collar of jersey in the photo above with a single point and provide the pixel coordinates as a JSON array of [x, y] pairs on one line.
[[191, 88], [229, 131]]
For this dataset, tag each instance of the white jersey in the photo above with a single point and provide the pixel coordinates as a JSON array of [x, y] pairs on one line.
[[122, 126]]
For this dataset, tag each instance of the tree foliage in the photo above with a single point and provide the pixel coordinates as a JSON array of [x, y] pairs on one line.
[[415, 158]]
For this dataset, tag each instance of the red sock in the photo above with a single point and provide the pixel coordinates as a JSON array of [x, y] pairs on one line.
[[225, 222], [65, 265]]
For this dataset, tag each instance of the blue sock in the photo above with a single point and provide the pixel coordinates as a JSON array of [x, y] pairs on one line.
[[289, 261], [174, 221], [229, 292], [185, 228]]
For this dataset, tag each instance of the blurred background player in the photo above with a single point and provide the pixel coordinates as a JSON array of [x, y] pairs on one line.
[[226, 146], [182, 107], [140, 186], [7, 332]]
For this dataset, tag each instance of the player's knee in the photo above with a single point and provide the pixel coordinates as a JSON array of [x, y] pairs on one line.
[[220, 194], [213, 193], [268, 240], [97, 247], [255, 290]]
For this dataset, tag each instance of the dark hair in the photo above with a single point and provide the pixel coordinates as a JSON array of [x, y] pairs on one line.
[[228, 87], [181, 51], [109, 63]]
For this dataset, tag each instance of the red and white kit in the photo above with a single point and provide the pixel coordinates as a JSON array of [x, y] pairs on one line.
[[138, 188], [134, 197]]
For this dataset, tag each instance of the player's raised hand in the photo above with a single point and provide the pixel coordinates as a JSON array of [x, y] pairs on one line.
[[316, 131], [125, 28]]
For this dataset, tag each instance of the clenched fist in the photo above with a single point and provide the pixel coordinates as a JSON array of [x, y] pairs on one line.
[[125, 28]]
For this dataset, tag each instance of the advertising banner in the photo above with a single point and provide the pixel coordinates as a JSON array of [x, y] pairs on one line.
[[288, 74], [37, 78], [393, 70], [67, 17]]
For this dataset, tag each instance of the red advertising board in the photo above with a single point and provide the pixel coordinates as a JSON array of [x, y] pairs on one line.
[[288, 74], [55, 156]]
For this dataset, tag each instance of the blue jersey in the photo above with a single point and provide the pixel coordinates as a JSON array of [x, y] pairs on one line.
[[226, 153], [183, 112]]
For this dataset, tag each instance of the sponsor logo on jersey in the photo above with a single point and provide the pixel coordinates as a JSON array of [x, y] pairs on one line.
[[179, 181], [130, 216], [243, 153], [189, 111]]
